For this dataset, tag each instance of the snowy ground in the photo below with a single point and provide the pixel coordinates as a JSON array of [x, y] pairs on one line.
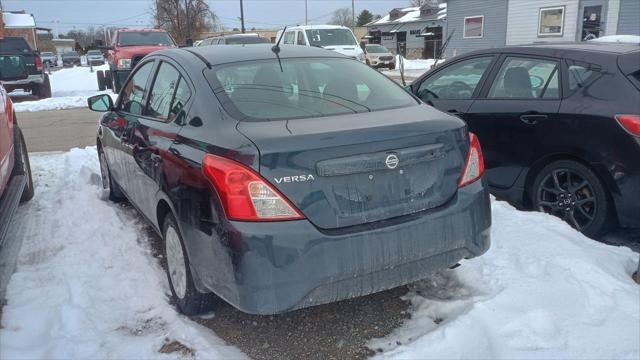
[[412, 68], [70, 88], [87, 286]]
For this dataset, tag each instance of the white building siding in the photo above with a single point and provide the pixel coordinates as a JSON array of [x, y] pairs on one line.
[[629, 18], [523, 17], [495, 25], [613, 10]]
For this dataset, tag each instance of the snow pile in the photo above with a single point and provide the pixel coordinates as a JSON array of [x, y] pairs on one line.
[[86, 284], [70, 88], [542, 291], [412, 68], [623, 39]]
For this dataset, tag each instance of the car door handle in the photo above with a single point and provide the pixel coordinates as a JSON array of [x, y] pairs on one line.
[[532, 119]]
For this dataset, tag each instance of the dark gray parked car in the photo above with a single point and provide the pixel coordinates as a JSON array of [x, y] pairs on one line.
[[291, 179]]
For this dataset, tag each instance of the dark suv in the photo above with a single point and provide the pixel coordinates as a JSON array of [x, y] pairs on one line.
[[559, 125]]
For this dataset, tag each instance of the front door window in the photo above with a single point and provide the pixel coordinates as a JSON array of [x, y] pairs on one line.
[[456, 82]]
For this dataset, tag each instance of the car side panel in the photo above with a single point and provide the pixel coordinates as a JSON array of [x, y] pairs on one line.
[[6, 139]]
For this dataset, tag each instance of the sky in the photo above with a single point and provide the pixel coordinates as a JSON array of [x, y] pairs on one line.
[[64, 15]]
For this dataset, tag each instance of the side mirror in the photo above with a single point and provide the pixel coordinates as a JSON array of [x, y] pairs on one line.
[[100, 103], [12, 68]]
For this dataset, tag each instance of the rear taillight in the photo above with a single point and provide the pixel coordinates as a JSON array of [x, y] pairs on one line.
[[244, 194], [39, 66], [474, 167], [631, 123]]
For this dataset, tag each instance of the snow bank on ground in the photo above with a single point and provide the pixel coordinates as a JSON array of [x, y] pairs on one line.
[[624, 39], [86, 284], [70, 88], [542, 291], [412, 68]]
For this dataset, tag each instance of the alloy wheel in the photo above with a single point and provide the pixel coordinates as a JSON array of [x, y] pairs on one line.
[[104, 173], [568, 195], [175, 262]]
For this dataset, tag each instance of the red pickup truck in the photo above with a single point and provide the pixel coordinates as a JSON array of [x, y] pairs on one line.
[[128, 47], [16, 184]]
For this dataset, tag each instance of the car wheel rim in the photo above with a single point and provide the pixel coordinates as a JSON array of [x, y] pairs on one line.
[[104, 172], [175, 263], [569, 196]]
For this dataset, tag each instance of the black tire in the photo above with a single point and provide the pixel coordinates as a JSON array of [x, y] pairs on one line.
[[573, 192], [21, 165], [188, 299], [392, 67], [110, 189], [116, 83], [101, 80], [108, 81], [44, 89]]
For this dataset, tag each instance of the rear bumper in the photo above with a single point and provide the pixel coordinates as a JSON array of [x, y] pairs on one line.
[[626, 201], [269, 268], [32, 79]]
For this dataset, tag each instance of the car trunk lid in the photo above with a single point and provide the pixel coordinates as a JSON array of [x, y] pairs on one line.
[[349, 170]]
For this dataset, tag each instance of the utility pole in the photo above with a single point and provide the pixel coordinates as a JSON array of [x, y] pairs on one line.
[[306, 13], [241, 17], [353, 14]]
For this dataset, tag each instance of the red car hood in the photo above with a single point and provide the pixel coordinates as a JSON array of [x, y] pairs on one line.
[[129, 51]]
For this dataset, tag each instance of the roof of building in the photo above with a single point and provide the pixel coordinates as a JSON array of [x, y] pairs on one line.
[[18, 20], [411, 14]]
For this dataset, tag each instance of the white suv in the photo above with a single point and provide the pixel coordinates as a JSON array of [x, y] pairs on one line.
[[330, 37]]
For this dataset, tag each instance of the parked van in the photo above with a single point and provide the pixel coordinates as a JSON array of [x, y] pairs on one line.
[[331, 37]]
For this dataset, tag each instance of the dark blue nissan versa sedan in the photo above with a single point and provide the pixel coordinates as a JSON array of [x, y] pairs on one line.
[[282, 178]]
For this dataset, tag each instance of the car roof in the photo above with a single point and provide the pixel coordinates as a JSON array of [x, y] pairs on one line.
[[562, 49], [311, 27], [217, 55], [141, 30]]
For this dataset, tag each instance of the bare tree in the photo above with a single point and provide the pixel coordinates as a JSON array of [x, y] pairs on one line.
[[423, 2], [184, 19], [342, 17]]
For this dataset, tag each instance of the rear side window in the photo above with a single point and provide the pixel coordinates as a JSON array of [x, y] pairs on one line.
[[526, 78], [304, 88], [301, 40], [289, 38], [133, 92], [162, 92], [582, 74]]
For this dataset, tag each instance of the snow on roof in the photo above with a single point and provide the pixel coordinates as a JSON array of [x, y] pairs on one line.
[[13, 20], [412, 14], [623, 39]]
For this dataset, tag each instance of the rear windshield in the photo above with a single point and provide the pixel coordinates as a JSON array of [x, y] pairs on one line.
[[47, 54], [246, 40], [144, 38], [94, 52], [377, 49], [304, 88], [330, 37], [70, 54], [13, 45]]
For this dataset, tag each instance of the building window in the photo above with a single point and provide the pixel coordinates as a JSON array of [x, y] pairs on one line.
[[551, 21], [473, 27]]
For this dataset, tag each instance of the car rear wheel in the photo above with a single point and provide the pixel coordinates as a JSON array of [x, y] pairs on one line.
[[110, 189], [573, 192], [185, 295], [21, 165]]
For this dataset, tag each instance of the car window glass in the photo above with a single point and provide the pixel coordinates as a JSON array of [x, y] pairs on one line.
[[133, 91], [526, 78], [289, 37], [162, 92], [181, 97], [457, 81], [582, 74], [301, 38], [304, 88]]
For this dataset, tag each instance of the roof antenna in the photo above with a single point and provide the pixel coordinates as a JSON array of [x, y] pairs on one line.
[[276, 48]]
